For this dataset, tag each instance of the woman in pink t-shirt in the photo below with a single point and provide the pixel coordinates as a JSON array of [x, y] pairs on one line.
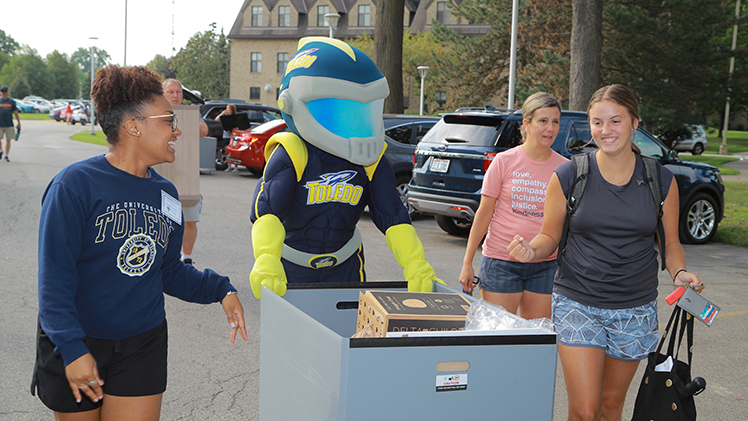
[[512, 201]]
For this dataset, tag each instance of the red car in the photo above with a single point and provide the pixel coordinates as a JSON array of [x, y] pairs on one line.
[[247, 147]]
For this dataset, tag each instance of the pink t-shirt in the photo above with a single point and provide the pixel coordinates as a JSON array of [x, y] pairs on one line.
[[520, 184]]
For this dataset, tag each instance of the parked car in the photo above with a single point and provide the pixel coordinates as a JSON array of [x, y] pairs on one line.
[[453, 157], [42, 104], [696, 144], [25, 107], [257, 114], [247, 146], [402, 134]]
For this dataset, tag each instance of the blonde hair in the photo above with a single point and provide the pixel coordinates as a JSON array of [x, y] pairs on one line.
[[533, 103]]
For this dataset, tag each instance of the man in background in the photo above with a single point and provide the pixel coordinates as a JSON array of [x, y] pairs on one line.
[[173, 93], [7, 109]]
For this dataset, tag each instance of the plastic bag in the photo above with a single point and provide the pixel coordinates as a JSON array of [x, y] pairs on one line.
[[484, 315]]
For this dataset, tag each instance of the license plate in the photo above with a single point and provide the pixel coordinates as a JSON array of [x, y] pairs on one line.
[[439, 165]]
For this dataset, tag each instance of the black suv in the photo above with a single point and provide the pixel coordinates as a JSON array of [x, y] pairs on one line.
[[455, 154]]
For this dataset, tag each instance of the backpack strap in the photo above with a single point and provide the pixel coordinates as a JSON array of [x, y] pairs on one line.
[[654, 181], [581, 165]]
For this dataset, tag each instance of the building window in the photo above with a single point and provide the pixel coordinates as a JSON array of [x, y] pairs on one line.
[[442, 12], [364, 15], [254, 92], [284, 15], [256, 15], [282, 62], [256, 66], [321, 12]]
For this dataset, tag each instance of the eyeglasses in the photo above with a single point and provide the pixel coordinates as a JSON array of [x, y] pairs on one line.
[[172, 116]]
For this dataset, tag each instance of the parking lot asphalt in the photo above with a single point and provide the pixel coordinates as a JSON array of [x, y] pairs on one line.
[[211, 379]]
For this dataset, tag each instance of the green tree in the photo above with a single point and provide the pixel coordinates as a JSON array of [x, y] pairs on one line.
[[67, 76], [162, 66], [204, 63], [7, 44], [26, 74], [666, 52], [388, 50], [82, 59]]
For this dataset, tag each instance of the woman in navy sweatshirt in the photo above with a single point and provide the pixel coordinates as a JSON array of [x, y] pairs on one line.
[[109, 245]]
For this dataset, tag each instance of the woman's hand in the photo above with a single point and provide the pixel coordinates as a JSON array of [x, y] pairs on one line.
[[689, 279], [521, 250], [83, 377], [466, 278], [235, 315]]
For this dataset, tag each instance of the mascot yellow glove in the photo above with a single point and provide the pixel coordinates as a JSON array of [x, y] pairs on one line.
[[267, 243], [408, 250]]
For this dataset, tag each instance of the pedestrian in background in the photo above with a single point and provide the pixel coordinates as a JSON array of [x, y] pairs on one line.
[[175, 96], [605, 290], [7, 109], [109, 241], [230, 110], [503, 211]]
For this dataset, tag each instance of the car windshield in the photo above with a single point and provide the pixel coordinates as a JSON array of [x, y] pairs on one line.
[[470, 130], [580, 141]]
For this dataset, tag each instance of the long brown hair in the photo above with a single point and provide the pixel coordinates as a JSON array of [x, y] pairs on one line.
[[622, 96]]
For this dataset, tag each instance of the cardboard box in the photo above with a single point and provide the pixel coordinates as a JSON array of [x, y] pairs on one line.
[[399, 311]]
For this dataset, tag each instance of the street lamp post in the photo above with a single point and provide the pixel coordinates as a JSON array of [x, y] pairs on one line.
[[93, 110], [423, 70], [332, 22], [723, 146]]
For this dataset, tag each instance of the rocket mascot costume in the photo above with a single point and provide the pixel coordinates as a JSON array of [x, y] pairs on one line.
[[321, 174]]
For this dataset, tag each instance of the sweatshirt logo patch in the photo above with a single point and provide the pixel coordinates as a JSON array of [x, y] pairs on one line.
[[136, 255]]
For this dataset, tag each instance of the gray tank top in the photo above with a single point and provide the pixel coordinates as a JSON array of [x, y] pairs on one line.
[[611, 255]]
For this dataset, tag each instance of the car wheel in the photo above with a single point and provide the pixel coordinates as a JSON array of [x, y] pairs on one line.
[[221, 163], [698, 223], [698, 149], [454, 226], [402, 189]]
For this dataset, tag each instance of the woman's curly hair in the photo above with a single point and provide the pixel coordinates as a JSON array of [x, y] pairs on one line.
[[122, 92]]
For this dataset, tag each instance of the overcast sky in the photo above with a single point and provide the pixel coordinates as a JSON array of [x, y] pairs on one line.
[[66, 25]]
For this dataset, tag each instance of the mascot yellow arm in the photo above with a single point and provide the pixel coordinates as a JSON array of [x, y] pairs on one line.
[[408, 250], [267, 244]]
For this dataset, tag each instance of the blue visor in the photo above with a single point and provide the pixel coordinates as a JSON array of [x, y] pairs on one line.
[[347, 118]]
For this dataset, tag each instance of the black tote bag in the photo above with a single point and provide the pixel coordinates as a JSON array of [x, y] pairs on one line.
[[662, 395]]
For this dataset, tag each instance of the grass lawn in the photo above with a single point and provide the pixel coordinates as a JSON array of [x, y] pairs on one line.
[[98, 138], [34, 116], [716, 161], [736, 141], [733, 229]]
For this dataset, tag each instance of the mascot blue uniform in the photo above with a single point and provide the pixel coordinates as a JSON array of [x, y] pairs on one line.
[[323, 172]]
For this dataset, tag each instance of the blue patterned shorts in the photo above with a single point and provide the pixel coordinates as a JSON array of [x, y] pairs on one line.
[[628, 334]]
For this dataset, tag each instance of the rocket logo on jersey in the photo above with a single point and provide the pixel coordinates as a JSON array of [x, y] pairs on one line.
[[136, 255], [334, 187]]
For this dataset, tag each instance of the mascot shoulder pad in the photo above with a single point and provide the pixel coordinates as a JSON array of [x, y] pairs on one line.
[[373, 167], [295, 148]]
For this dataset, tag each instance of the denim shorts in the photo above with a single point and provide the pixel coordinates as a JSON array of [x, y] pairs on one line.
[[628, 334], [503, 276]]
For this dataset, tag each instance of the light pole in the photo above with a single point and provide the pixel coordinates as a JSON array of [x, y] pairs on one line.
[[93, 111], [723, 146], [513, 54], [332, 22], [423, 70]]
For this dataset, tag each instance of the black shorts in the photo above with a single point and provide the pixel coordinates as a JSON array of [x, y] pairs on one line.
[[129, 367]]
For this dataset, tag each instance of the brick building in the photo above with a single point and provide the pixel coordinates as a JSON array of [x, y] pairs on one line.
[[266, 32]]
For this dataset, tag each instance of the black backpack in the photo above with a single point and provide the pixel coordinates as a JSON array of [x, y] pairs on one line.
[[581, 164]]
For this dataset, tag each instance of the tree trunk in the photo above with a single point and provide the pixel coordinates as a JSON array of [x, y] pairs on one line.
[[586, 52], [388, 50]]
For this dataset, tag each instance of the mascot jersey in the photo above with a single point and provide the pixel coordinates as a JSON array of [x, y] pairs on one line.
[[321, 210]]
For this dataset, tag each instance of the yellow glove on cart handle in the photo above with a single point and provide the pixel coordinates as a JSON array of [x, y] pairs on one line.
[[268, 234], [408, 250]]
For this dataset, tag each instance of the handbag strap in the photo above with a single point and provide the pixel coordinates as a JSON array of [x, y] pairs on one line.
[[673, 317], [686, 325]]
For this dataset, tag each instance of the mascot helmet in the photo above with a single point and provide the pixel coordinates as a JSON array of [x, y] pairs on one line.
[[332, 96]]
